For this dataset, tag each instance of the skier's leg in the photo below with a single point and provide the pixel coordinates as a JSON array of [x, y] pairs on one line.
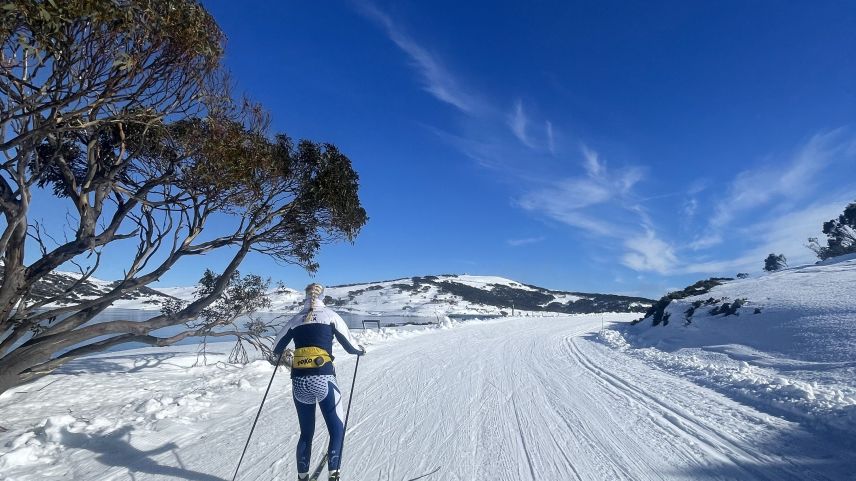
[[331, 409], [306, 419]]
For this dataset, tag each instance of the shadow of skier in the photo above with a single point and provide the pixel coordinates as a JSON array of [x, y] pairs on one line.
[[114, 450]]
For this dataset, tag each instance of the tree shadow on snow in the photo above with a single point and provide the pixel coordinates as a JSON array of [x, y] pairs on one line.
[[114, 449], [105, 364]]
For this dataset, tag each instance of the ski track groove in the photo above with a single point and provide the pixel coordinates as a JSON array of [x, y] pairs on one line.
[[682, 424], [510, 400], [622, 388]]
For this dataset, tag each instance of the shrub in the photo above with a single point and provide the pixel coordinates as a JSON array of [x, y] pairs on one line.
[[840, 235], [775, 262]]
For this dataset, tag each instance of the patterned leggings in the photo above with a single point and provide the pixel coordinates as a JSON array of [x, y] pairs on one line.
[[321, 389]]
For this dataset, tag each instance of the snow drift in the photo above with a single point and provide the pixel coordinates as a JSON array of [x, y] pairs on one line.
[[783, 341]]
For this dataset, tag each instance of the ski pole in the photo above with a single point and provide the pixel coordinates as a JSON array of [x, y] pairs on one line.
[[270, 383], [348, 412]]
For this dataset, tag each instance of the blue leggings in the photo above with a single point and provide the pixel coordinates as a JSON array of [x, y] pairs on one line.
[[321, 389]]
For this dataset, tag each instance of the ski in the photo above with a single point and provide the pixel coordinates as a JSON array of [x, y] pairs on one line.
[[425, 475], [318, 469]]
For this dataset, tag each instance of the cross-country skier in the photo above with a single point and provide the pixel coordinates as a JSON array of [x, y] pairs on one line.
[[313, 377]]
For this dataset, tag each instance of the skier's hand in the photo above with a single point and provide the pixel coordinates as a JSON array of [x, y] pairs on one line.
[[362, 350], [284, 359]]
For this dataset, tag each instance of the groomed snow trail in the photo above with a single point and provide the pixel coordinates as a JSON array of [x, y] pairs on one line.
[[514, 399]]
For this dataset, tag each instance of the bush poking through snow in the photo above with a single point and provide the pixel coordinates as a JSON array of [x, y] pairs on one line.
[[775, 262], [657, 312], [728, 308]]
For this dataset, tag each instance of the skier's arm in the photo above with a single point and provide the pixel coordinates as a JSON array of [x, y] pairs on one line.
[[285, 337], [343, 335], [283, 341]]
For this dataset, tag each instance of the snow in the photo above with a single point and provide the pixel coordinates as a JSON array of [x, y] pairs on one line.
[[185, 293], [504, 399], [794, 357], [566, 298], [486, 282]]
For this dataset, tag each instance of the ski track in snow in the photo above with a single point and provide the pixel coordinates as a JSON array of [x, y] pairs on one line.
[[513, 399]]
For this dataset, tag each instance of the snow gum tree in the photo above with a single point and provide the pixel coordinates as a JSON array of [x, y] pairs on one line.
[[119, 109], [840, 235], [775, 262]]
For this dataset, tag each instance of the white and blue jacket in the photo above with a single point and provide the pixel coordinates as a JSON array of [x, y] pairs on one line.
[[315, 325]]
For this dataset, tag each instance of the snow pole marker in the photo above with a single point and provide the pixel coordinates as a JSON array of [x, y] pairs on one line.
[[259, 413]]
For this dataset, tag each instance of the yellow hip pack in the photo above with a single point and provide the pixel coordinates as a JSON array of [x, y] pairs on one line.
[[310, 357]]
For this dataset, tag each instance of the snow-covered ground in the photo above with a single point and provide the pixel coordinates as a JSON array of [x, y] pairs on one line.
[[507, 399], [791, 350]]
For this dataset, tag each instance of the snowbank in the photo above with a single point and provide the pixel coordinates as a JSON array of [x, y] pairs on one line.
[[790, 347]]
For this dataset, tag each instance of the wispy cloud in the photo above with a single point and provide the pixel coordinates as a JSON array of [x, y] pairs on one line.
[[518, 123], [524, 241], [649, 253], [783, 184], [691, 207], [589, 202], [551, 140], [784, 234], [600, 199], [436, 79]]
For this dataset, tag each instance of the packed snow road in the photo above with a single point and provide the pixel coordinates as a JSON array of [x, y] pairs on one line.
[[515, 399]]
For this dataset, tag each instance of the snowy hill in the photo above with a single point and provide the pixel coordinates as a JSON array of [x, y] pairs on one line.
[[784, 340], [459, 295], [58, 282], [427, 296]]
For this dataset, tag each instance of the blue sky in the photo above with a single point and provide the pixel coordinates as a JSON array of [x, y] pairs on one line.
[[627, 147]]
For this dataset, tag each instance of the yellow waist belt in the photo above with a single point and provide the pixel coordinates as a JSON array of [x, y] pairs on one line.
[[310, 357]]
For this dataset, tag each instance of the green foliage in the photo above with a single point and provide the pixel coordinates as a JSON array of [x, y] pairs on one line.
[[775, 262], [840, 235], [121, 108], [241, 297], [182, 28]]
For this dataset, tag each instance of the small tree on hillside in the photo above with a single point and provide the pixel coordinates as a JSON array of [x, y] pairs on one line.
[[774, 262], [840, 235]]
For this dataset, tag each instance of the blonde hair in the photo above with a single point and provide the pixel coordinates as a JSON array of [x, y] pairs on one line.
[[314, 290]]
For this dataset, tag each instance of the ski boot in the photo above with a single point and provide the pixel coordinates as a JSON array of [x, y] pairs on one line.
[[334, 476], [302, 476]]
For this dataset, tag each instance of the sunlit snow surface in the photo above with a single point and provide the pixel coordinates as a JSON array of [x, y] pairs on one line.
[[796, 357], [508, 399]]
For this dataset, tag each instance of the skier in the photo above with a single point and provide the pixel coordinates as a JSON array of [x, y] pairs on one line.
[[313, 378]]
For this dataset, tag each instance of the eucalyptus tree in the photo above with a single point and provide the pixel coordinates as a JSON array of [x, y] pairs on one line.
[[120, 109]]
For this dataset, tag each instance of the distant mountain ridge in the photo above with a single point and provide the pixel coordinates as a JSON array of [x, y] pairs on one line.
[[448, 294]]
